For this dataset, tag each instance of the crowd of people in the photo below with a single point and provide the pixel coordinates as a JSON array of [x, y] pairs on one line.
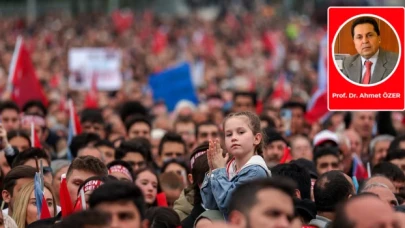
[[232, 160]]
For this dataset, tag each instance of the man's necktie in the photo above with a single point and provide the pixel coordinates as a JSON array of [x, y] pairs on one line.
[[367, 75]]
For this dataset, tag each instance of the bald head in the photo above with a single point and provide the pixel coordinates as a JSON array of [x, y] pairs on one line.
[[383, 192], [380, 180], [365, 211]]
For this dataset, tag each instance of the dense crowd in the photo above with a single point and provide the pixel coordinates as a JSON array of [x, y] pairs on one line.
[[232, 160]]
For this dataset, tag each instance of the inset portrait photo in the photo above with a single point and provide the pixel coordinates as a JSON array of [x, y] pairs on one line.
[[366, 50]]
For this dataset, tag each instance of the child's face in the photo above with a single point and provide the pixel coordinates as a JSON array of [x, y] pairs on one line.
[[239, 138]]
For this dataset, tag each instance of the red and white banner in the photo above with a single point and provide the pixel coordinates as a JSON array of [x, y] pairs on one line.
[[104, 64]]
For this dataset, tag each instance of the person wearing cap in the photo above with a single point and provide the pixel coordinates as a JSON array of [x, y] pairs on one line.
[[326, 138], [276, 146]]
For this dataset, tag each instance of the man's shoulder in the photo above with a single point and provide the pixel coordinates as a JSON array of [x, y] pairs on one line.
[[350, 58], [391, 56]]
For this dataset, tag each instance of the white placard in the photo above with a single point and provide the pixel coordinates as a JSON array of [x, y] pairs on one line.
[[102, 63]]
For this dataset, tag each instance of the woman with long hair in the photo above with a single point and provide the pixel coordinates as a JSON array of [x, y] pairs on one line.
[[25, 208]]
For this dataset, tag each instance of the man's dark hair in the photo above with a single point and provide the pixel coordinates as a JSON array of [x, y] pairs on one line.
[[18, 133], [199, 168], [88, 164], [171, 137], [132, 108], [35, 103], [118, 192], [175, 161], [137, 119], [365, 20], [294, 104], [244, 197], [270, 122], [205, 123], [324, 151], [298, 174], [30, 153], [395, 143], [133, 146], [160, 217], [341, 217], [19, 172], [395, 154], [391, 171], [104, 142], [81, 141], [92, 115], [330, 189], [9, 105], [252, 96], [122, 163], [85, 219]]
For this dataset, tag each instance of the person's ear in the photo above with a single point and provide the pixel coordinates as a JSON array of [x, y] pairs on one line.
[[238, 219], [258, 138], [190, 178], [6, 196], [297, 193]]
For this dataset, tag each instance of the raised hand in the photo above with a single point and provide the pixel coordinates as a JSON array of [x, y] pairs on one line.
[[215, 158]]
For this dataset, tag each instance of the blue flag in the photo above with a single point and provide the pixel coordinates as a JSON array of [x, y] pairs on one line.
[[172, 85], [38, 193]]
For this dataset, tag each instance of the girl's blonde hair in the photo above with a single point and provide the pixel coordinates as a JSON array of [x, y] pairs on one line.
[[21, 203], [254, 125]]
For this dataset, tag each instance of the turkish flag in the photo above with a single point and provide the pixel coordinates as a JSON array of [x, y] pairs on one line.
[[23, 80], [65, 202]]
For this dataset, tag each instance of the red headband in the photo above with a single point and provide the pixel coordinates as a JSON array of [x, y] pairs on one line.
[[92, 185], [192, 160], [37, 120], [120, 169]]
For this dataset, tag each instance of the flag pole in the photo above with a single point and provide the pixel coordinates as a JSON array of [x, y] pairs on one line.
[[13, 63], [32, 135]]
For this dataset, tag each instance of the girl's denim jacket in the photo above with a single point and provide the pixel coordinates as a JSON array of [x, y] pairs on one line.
[[217, 188]]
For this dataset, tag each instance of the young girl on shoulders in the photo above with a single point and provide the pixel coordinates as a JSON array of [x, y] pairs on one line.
[[244, 141]]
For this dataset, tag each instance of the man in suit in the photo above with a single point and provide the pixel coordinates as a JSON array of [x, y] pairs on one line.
[[372, 64]]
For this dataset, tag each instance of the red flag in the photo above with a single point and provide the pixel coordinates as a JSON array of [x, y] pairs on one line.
[[35, 142], [317, 108], [282, 89], [91, 100], [122, 20], [23, 82], [45, 214], [65, 201], [78, 205], [286, 157], [159, 42], [74, 119], [161, 200]]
